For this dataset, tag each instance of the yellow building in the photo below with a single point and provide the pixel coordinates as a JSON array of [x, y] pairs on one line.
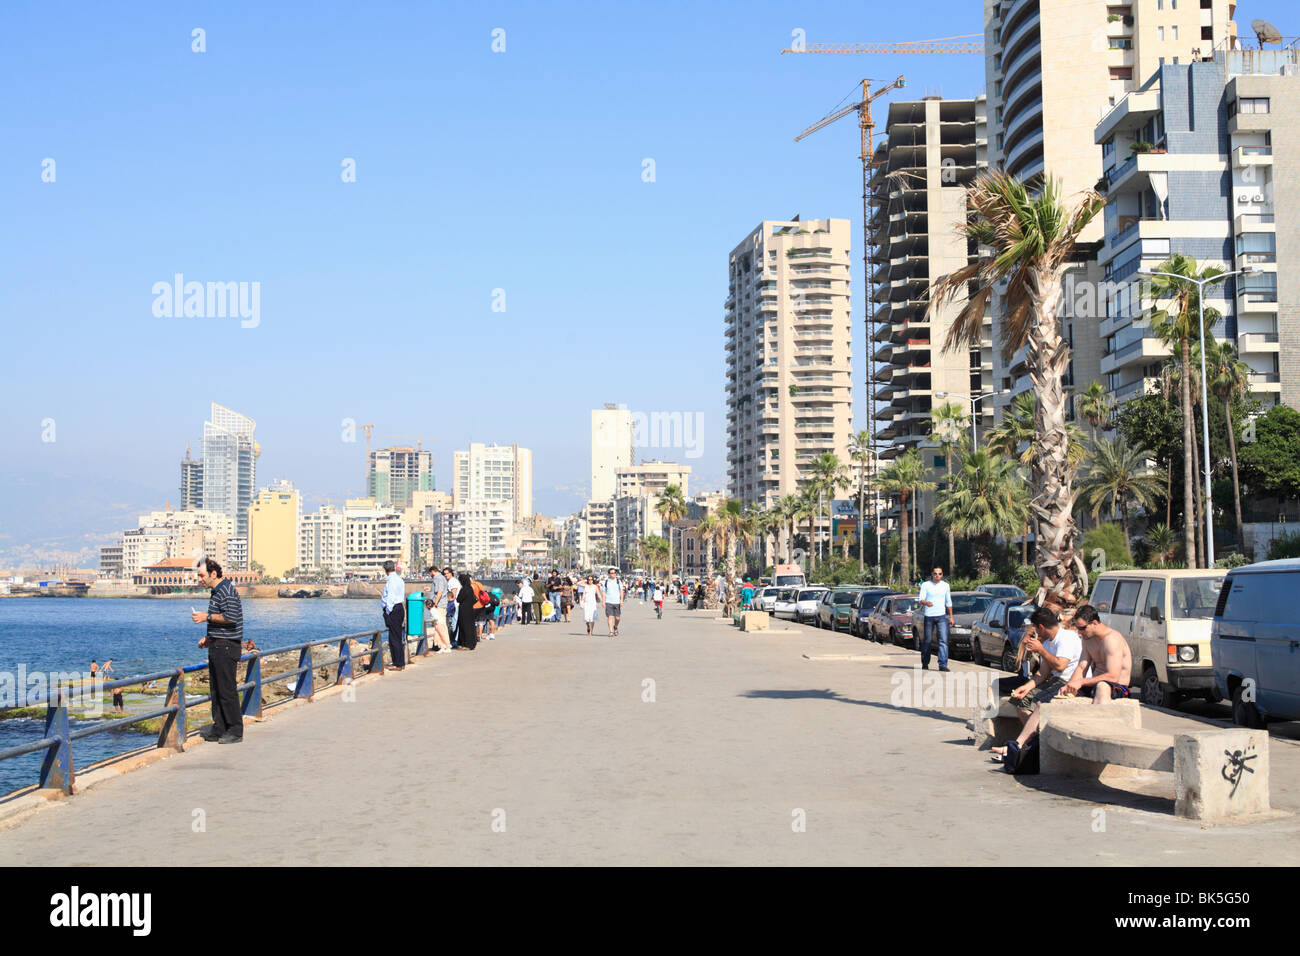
[[273, 529]]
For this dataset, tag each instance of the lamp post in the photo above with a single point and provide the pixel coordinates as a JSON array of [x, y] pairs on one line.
[[973, 399], [1205, 400]]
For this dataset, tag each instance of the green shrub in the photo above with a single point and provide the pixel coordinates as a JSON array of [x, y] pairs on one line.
[[1285, 546], [1025, 577], [1109, 540], [1234, 560]]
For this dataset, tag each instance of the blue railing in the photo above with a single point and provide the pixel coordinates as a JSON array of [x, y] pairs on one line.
[[57, 767]]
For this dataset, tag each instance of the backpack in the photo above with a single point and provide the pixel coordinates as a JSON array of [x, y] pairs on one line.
[[1021, 760]]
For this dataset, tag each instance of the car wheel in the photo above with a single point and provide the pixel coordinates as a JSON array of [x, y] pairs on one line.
[[976, 652], [1009, 658], [1244, 712], [1153, 694]]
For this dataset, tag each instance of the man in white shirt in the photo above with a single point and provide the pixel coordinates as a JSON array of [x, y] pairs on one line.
[[1059, 650], [936, 598], [613, 601], [526, 597], [394, 602]]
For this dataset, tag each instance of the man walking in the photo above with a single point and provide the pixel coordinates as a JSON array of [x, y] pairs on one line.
[[539, 596], [393, 600], [224, 641], [936, 597], [553, 584], [526, 600], [613, 601]]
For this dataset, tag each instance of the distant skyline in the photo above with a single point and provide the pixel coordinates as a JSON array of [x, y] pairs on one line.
[[589, 180]]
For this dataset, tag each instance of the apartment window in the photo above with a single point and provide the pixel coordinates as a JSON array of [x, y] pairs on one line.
[[1251, 104], [1175, 30], [1207, 33], [1160, 34]]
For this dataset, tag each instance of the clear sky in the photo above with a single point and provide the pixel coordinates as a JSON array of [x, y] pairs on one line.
[[475, 171]]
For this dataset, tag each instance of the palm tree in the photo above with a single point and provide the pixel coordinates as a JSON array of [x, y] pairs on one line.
[[1119, 475], [948, 428], [787, 507], [730, 526], [1093, 404], [1160, 543], [904, 477], [861, 450], [1031, 239], [1178, 325], [809, 508], [985, 499], [1229, 379], [827, 474], [671, 507]]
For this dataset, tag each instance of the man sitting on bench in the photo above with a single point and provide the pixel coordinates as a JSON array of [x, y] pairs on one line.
[[1106, 660], [1059, 650]]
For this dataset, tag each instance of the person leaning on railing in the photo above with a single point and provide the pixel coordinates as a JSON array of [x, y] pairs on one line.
[[224, 639]]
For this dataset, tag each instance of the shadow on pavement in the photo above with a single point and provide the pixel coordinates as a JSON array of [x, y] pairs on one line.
[[828, 694]]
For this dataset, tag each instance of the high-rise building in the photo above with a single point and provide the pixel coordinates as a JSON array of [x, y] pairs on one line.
[[789, 360], [372, 534], [273, 529], [611, 448], [492, 473], [652, 478], [933, 150], [191, 482], [397, 473], [229, 465], [321, 541], [1191, 170], [1052, 69]]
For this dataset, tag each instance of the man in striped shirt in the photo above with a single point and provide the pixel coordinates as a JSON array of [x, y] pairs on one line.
[[224, 641]]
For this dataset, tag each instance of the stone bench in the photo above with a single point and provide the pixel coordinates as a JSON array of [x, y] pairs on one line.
[[753, 620], [999, 722], [1218, 774]]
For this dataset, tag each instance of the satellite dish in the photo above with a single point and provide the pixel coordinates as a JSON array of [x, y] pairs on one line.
[[1265, 32]]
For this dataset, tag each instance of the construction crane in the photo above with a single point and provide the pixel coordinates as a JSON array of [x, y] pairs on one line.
[[419, 440], [941, 45], [866, 128]]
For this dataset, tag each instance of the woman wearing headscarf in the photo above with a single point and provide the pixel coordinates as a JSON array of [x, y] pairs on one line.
[[467, 616]]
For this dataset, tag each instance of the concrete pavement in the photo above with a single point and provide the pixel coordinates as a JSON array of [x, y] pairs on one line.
[[683, 741]]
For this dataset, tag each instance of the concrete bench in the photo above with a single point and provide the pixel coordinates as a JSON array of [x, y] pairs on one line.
[[1218, 774], [999, 722], [753, 620]]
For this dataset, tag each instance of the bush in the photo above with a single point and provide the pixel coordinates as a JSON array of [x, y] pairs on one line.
[[835, 571], [1109, 540], [1284, 546], [1025, 577], [1234, 560]]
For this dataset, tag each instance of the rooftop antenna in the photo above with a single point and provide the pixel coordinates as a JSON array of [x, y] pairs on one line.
[[1265, 32]]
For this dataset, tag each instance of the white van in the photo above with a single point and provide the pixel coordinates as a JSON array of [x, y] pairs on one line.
[[1166, 617]]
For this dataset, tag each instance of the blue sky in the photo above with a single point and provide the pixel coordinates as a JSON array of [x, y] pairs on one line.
[[475, 171]]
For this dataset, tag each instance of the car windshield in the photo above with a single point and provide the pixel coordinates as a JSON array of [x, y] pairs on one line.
[[843, 597], [788, 578], [904, 605], [970, 603], [1194, 597], [787, 594], [810, 595], [1001, 590]]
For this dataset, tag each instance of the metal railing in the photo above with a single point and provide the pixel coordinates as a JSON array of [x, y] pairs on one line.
[[57, 766]]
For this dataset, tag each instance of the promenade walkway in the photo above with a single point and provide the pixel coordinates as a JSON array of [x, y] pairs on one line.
[[540, 747]]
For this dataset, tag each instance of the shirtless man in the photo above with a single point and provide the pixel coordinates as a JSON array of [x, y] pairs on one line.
[[1104, 651]]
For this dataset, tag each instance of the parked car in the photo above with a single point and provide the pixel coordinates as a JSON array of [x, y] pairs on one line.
[[863, 605], [967, 608], [765, 599], [835, 607], [1255, 637], [805, 611], [1166, 616], [786, 603], [1004, 591], [995, 637], [892, 618]]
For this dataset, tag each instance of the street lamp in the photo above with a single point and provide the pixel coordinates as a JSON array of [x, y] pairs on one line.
[[1205, 400], [973, 399]]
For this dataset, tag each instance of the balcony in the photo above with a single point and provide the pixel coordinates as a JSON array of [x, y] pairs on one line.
[[1258, 342], [1244, 156], [1265, 382], [1255, 222]]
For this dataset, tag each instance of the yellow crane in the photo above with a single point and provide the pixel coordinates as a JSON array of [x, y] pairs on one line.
[[866, 128], [940, 45]]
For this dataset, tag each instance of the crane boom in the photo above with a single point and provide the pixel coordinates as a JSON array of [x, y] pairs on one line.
[[827, 120]]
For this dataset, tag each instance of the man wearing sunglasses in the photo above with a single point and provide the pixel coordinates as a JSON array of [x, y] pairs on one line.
[[936, 597]]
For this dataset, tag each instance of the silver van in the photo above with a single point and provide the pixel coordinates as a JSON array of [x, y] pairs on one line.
[[1256, 641], [1165, 615]]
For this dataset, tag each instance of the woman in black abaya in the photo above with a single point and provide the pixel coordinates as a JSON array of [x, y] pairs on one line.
[[467, 614]]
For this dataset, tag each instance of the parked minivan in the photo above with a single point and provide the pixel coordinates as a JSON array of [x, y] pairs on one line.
[[1256, 638], [1165, 615]]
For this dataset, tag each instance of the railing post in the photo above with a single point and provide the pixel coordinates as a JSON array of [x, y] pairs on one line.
[[172, 732], [376, 653], [305, 684], [422, 646], [253, 696], [56, 769], [345, 661]]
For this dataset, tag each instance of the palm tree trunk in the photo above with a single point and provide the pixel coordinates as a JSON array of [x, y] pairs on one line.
[[1123, 523], [904, 554], [1169, 493], [1189, 491], [862, 552], [731, 576], [1236, 487], [1061, 570], [916, 558], [952, 539], [1200, 500], [983, 560], [1024, 546]]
